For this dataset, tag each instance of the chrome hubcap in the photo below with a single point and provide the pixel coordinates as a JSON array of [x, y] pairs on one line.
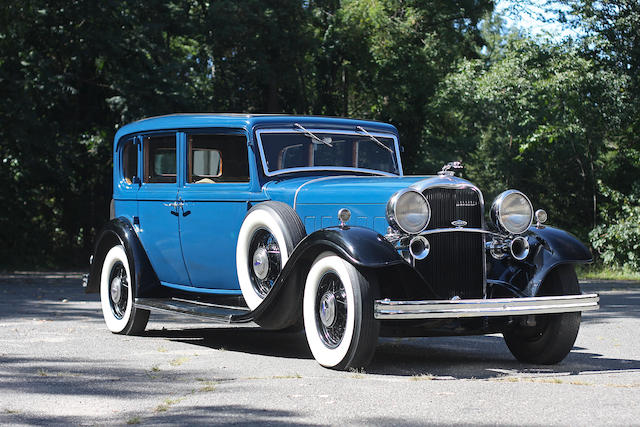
[[264, 261], [261, 263], [328, 309], [116, 289], [331, 310]]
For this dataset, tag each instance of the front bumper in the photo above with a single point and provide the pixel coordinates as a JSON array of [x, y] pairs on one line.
[[386, 309]]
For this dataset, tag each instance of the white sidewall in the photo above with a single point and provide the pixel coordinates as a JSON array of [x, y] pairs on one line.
[[325, 263], [259, 218], [114, 324]]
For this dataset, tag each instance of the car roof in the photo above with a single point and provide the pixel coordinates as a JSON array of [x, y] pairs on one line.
[[244, 121]]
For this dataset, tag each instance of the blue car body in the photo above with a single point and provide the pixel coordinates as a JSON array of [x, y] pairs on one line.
[[179, 247], [229, 216]]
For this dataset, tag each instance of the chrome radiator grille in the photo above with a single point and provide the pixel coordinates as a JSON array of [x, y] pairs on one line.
[[455, 265]]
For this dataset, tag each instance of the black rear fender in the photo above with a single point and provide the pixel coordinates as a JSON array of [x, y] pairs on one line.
[[119, 231]]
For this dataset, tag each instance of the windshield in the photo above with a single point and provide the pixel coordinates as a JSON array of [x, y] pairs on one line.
[[287, 151]]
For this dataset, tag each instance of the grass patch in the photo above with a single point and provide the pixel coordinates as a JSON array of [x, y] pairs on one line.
[[163, 407], [179, 361], [207, 386], [601, 272], [275, 377], [422, 377], [43, 372], [134, 420], [539, 380], [287, 377]]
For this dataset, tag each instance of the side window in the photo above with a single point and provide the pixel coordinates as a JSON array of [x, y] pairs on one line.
[[160, 159], [130, 162], [217, 158]]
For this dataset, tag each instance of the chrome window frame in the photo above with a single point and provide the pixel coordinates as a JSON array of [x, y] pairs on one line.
[[268, 173]]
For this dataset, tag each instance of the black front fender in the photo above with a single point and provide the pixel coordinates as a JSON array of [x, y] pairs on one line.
[[119, 231], [548, 248], [553, 247], [362, 247]]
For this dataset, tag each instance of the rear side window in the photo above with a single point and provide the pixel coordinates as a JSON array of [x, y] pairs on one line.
[[130, 162], [160, 159], [217, 158]]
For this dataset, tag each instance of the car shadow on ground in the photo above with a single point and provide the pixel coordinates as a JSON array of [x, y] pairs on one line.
[[29, 297], [475, 357]]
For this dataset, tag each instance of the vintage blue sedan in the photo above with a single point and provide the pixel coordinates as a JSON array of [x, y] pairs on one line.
[[298, 222]]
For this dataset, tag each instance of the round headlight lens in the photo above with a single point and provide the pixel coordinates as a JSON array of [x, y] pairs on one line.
[[409, 210], [512, 212]]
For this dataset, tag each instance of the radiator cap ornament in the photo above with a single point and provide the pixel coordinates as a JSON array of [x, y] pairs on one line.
[[447, 170]]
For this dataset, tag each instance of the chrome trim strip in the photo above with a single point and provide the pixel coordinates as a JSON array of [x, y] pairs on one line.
[[456, 230], [327, 168], [448, 309], [295, 197]]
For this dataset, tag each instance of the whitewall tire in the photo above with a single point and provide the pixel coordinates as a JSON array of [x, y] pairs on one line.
[[116, 295], [268, 235], [338, 314]]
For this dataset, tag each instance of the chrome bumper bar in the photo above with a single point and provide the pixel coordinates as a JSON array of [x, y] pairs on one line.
[[444, 309]]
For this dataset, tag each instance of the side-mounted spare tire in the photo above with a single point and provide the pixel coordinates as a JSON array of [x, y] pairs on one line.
[[269, 233]]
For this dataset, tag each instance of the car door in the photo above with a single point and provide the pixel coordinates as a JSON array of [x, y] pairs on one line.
[[159, 209], [215, 198]]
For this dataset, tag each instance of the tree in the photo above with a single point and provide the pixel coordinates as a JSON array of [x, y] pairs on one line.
[[536, 117]]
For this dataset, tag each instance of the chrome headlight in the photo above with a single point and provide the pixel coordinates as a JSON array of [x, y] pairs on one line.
[[409, 211], [512, 212]]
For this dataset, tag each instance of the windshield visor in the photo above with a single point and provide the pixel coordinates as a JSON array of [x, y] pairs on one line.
[[287, 151]]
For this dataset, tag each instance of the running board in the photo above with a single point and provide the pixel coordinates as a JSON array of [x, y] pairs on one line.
[[216, 312]]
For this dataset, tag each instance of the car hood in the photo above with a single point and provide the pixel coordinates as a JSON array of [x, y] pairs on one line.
[[338, 189]]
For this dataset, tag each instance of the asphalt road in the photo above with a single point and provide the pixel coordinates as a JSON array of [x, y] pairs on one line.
[[59, 365]]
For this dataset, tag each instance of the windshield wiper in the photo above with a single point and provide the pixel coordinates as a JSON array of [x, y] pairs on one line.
[[374, 139], [312, 136]]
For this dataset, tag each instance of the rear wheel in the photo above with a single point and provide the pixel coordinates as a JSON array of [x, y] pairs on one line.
[[553, 336], [338, 314], [116, 295]]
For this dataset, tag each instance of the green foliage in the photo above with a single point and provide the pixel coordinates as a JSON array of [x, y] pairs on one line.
[[617, 240], [535, 117], [549, 119]]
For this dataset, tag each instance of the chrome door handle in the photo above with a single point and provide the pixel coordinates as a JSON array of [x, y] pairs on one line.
[[175, 206]]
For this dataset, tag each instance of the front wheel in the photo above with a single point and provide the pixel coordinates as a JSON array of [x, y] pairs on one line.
[[338, 314], [116, 295], [553, 336]]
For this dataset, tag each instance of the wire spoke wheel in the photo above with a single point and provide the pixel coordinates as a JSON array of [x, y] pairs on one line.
[[118, 290], [338, 314], [331, 309], [265, 261]]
